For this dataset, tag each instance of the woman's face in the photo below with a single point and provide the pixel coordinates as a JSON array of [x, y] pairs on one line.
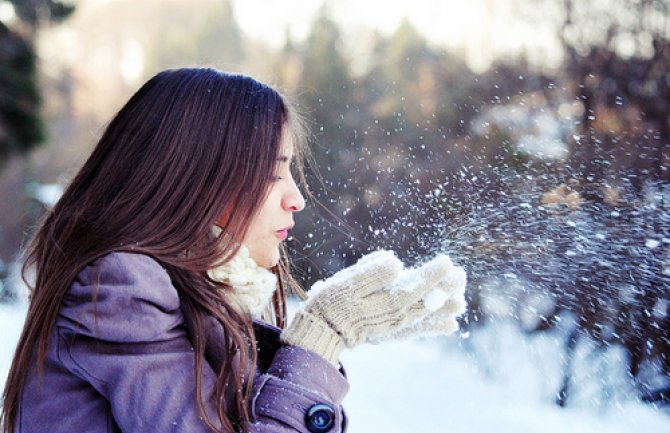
[[274, 219]]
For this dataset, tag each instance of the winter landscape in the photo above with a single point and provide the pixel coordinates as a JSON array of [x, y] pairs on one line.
[[528, 140]]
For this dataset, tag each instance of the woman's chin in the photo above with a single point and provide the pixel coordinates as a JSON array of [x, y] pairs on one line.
[[267, 260]]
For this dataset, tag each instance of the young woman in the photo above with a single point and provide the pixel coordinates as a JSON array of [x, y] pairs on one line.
[[154, 268]]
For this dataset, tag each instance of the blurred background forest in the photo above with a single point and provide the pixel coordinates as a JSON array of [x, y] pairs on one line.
[[536, 152]]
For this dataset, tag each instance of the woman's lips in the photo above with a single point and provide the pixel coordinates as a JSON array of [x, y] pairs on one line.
[[283, 233]]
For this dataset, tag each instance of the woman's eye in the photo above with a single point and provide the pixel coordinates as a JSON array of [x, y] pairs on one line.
[[284, 171], [277, 177]]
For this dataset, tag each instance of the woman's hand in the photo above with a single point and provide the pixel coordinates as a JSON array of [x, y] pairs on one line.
[[370, 301], [446, 302]]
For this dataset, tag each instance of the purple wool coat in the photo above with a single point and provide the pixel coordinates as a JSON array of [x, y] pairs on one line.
[[124, 363]]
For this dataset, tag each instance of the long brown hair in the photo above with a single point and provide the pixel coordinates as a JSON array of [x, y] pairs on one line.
[[190, 145]]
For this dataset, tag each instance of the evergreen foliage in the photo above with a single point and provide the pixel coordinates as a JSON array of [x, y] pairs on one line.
[[21, 128], [20, 125]]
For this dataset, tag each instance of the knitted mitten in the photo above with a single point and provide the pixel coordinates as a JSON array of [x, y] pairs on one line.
[[252, 285], [446, 302], [360, 302]]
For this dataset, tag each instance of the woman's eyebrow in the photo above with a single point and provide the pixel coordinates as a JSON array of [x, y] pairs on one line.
[[283, 158]]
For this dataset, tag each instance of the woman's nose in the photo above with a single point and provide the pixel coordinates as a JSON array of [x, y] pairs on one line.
[[293, 199]]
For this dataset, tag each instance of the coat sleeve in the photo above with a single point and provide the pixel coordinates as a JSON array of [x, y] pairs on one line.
[[121, 330]]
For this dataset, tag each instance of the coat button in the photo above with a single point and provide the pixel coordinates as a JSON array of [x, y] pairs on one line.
[[320, 418]]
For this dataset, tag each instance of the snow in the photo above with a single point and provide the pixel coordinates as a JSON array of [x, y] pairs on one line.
[[490, 379], [374, 263], [47, 194], [11, 322], [438, 385], [411, 280], [435, 299], [651, 243]]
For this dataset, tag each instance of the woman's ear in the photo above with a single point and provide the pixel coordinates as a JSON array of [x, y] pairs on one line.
[[226, 214]]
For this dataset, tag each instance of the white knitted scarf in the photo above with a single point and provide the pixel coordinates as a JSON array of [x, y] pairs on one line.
[[252, 285]]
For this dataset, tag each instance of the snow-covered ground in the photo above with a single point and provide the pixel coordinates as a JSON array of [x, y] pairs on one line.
[[437, 386], [11, 321], [496, 380]]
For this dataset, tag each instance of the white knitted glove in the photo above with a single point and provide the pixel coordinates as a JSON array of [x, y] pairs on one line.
[[446, 302], [361, 302]]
